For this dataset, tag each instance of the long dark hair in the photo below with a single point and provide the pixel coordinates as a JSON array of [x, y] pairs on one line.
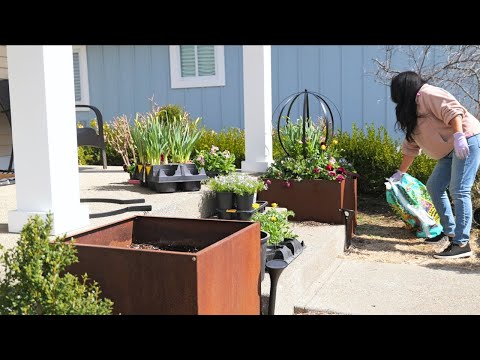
[[403, 90]]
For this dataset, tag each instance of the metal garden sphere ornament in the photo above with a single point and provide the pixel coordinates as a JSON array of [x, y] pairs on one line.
[[325, 115]]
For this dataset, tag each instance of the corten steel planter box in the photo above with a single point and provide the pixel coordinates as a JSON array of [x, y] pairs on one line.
[[317, 200], [222, 277]]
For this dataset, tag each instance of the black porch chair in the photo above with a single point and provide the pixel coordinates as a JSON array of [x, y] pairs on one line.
[[88, 137]]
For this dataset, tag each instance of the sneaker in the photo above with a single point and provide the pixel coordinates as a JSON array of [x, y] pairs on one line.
[[438, 238], [454, 251]]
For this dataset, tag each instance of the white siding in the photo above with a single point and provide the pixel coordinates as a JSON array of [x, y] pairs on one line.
[[3, 62]]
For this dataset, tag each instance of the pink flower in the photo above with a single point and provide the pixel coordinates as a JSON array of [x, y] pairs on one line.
[[287, 184], [332, 173], [341, 170], [201, 159], [214, 149], [268, 182], [329, 167], [340, 177], [316, 170]]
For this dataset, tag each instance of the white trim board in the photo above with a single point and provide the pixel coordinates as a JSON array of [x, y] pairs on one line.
[[179, 82]]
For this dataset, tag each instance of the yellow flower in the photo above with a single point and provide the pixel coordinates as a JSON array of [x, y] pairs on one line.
[[274, 205], [273, 218], [323, 147], [335, 142], [255, 206]]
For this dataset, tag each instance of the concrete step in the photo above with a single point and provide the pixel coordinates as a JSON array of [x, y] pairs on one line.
[[324, 243]]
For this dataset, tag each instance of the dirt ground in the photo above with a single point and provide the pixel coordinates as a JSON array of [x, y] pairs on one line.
[[382, 237]]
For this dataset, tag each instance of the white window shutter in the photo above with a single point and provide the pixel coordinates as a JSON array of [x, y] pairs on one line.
[[76, 76], [187, 59]]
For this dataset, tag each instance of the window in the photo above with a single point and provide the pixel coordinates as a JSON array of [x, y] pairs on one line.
[[80, 74], [197, 66]]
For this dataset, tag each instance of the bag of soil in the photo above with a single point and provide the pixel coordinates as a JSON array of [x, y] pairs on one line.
[[410, 201]]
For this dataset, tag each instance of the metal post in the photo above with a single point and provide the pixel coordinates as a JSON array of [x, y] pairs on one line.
[[275, 268]]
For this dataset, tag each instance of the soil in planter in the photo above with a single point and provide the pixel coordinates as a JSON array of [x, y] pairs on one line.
[[172, 247]]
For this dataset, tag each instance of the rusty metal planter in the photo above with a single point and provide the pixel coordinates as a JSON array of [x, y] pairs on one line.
[[317, 200], [222, 277]]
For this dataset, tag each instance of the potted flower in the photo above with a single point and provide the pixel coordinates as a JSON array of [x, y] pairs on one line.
[[245, 189], [275, 229], [215, 162], [236, 190], [314, 180], [223, 187]]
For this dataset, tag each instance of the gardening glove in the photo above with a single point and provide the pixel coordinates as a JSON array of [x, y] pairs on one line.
[[397, 176], [460, 145]]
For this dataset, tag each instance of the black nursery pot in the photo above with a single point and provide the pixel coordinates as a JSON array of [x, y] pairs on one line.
[[244, 202], [224, 200], [212, 173], [264, 236]]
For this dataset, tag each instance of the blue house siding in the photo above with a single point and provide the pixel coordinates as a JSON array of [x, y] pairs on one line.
[[342, 73], [122, 79]]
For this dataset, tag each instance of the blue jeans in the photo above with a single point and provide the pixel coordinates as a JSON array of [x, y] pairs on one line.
[[459, 176]]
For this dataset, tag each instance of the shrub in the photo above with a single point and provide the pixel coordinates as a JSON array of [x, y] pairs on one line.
[[89, 155], [170, 112], [376, 156], [35, 282], [232, 139], [119, 138]]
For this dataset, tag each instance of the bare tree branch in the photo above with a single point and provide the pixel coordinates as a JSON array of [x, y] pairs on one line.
[[456, 68]]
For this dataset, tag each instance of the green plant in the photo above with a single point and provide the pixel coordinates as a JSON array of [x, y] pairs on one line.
[[277, 150], [139, 135], [89, 155], [275, 222], [326, 163], [35, 281], [238, 183], [247, 185], [291, 135], [131, 168], [170, 112], [223, 183], [182, 137], [215, 160], [231, 139], [376, 156]]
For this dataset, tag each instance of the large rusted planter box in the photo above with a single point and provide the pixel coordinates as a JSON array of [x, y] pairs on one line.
[[222, 277], [317, 200]]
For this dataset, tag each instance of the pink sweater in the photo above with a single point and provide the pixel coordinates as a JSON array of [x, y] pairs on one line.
[[433, 134]]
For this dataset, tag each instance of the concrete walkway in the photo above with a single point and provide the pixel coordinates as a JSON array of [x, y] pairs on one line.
[[319, 280], [359, 287]]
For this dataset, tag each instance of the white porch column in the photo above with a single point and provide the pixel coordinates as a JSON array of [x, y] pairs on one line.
[[257, 99], [42, 103]]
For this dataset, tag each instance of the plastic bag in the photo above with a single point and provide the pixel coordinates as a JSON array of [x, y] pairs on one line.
[[410, 201]]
